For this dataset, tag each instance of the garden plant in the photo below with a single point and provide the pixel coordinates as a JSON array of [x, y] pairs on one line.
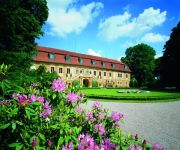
[[42, 117]]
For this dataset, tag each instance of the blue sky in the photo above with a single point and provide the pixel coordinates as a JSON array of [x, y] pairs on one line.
[[107, 28]]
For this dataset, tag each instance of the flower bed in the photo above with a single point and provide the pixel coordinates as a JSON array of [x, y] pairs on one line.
[[51, 118]]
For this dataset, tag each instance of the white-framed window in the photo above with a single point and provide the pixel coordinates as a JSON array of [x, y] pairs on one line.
[[82, 71], [103, 64], [93, 62], [104, 73], [95, 73], [68, 71], [80, 60], [113, 66], [67, 58], [51, 56], [110, 74], [52, 68], [60, 70], [126, 75], [77, 71], [119, 75]]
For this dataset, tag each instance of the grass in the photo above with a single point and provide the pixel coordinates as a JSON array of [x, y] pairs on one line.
[[135, 101], [112, 94]]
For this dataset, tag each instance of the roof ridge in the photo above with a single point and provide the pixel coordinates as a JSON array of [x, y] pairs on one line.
[[43, 48]]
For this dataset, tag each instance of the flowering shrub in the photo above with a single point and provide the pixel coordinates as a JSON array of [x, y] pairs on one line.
[[52, 118]]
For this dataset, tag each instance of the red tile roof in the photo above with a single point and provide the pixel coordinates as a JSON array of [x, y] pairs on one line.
[[43, 52]]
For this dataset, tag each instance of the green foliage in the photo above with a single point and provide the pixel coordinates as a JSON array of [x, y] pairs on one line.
[[21, 24], [140, 60], [76, 83], [133, 82], [23, 126], [94, 84], [170, 61], [13, 82]]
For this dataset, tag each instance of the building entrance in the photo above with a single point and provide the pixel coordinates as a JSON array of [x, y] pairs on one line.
[[85, 83]]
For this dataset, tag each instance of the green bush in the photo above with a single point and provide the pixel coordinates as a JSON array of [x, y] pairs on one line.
[[46, 116], [76, 83], [94, 84]]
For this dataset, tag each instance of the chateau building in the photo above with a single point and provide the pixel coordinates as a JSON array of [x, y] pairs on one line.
[[87, 69]]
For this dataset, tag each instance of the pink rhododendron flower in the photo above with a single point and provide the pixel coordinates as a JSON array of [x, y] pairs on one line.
[[49, 143], [47, 110], [40, 99], [89, 116], [107, 145], [22, 98], [157, 147], [100, 128], [81, 96], [96, 104], [79, 110], [69, 147], [58, 85], [87, 143], [34, 142], [117, 116], [32, 98], [33, 85], [133, 147], [15, 95], [5, 102], [101, 115], [72, 97]]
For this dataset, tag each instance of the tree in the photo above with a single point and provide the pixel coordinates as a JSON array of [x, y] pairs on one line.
[[170, 61], [140, 60], [21, 23]]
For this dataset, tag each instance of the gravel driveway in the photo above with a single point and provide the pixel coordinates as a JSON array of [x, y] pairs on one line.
[[156, 122]]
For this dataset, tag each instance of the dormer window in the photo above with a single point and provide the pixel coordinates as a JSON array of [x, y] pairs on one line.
[[80, 60], [113, 66], [67, 58], [103, 64], [125, 67], [51, 56], [93, 62]]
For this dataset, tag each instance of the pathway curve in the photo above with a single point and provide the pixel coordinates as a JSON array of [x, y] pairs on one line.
[[156, 122]]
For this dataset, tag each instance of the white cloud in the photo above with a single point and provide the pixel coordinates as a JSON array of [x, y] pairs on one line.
[[93, 52], [123, 25], [119, 58], [154, 38], [64, 18], [159, 55]]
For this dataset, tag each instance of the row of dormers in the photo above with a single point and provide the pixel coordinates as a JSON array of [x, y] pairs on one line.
[[65, 57]]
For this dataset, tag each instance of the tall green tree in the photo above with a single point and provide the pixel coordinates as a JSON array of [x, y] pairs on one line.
[[140, 60], [170, 61], [21, 23]]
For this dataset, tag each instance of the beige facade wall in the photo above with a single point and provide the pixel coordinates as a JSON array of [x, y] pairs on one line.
[[81, 73]]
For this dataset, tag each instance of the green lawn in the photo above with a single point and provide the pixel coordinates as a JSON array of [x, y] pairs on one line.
[[113, 94]]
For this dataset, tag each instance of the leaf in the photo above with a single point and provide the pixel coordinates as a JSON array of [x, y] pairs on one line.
[[60, 141], [42, 136], [36, 103], [54, 96], [14, 144], [13, 126], [54, 126], [19, 123], [27, 113], [4, 126], [14, 112]]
